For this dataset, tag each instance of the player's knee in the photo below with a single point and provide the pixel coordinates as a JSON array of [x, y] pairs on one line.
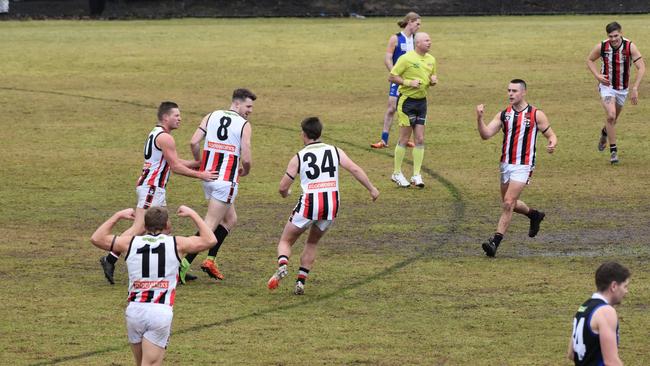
[[611, 119], [509, 204]]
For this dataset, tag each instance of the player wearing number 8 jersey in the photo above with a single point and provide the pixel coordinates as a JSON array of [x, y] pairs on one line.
[[152, 261], [594, 338], [225, 136], [317, 165], [160, 159]]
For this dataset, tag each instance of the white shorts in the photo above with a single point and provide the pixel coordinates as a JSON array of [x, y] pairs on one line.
[[149, 196], [516, 172], [151, 321], [608, 91], [221, 191], [302, 223]]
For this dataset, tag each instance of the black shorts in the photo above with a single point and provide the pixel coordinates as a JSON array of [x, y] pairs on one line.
[[411, 112]]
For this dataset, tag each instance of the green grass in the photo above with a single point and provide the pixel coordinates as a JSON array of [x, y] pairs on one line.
[[399, 281]]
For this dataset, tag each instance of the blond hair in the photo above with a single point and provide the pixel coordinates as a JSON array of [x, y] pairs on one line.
[[409, 17]]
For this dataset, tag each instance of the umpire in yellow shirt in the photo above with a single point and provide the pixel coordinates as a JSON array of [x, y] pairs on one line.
[[414, 72]]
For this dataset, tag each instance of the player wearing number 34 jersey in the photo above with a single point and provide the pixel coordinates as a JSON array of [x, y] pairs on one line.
[[317, 166]]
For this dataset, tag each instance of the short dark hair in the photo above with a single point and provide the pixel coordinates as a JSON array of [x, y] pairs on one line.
[[518, 81], [242, 94], [155, 219], [312, 127], [164, 108], [609, 272], [613, 26]]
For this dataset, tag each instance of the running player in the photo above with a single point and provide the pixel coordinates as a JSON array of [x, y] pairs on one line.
[[160, 159], [520, 123], [317, 166], [594, 339], [414, 72], [616, 53], [226, 137], [398, 44], [152, 261]]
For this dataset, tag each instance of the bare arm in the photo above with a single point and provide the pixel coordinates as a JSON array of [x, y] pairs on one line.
[[489, 130], [569, 352], [194, 244], [606, 322], [245, 155], [197, 138], [286, 181], [358, 173], [388, 58], [166, 143], [103, 237], [639, 63], [544, 126], [591, 64]]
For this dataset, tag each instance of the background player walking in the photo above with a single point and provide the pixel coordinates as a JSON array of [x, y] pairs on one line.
[[616, 53]]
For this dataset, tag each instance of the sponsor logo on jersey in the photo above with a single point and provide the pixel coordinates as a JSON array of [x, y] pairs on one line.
[[581, 309], [322, 185], [147, 285], [221, 146]]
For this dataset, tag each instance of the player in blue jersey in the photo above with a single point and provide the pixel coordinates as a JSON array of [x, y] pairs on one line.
[[398, 44], [594, 339]]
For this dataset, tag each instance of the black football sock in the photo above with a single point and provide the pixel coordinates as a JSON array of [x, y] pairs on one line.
[[497, 238], [302, 275], [220, 232], [112, 257], [612, 148]]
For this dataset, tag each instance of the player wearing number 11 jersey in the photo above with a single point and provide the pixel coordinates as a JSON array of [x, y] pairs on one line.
[[317, 166], [594, 339], [152, 261], [226, 139]]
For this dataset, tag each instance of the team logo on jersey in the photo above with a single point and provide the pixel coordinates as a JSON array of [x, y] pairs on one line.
[[527, 120], [508, 117], [403, 47]]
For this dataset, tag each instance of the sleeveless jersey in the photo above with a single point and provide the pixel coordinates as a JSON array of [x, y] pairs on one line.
[[519, 135], [586, 344], [404, 44], [152, 262], [616, 63], [156, 169], [222, 145], [319, 179]]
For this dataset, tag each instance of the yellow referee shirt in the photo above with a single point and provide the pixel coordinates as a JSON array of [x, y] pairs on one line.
[[411, 66]]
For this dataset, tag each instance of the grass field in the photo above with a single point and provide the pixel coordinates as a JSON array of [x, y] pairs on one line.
[[399, 281]]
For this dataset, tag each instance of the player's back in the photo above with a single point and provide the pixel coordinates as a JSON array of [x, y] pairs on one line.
[[153, 262], [586, 343], [319, 179], [222, 144]]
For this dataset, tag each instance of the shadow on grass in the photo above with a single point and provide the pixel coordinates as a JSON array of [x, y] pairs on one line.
[[457, 215]]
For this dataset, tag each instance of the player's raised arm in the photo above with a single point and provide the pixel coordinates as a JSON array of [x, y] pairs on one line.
[[358, 173], [288, 177], [544, 127], [591, 64], [168, 147], [194, 244], [639, 63], [246, 154], [197, 138], [489, 130], [103, 237]]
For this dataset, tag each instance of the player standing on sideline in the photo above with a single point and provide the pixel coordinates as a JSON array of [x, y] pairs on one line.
[[414, 72], [616, 53], [160, 158], [226, 137], [317, 165], [152, 261], [594, 339], [398, 44], [519, 123]]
